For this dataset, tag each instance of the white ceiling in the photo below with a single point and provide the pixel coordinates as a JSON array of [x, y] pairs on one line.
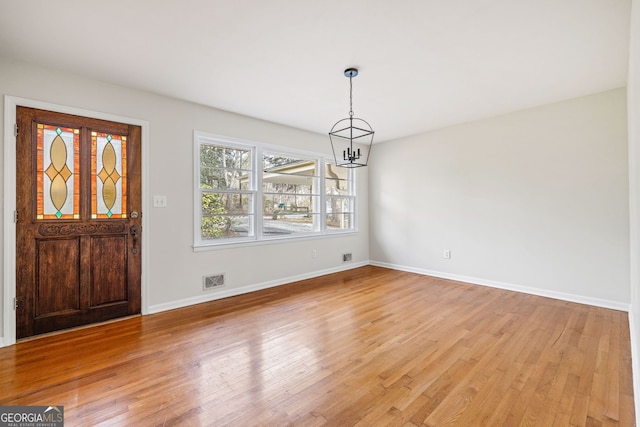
[[424, 64]]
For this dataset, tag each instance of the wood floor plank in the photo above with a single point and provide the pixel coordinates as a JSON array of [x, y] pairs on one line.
[[366, 347]]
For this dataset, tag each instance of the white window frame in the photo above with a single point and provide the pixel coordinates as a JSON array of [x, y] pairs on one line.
[[227, 142], [257, 151]]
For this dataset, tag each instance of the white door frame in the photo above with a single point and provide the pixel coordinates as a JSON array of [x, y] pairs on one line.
[[9, 164]]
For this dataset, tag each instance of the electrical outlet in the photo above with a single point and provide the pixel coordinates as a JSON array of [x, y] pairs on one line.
[[446, 254], [314, 254]]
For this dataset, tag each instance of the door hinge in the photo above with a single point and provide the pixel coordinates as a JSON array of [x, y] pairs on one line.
[[15, 216], [15, 129], [15, 303]]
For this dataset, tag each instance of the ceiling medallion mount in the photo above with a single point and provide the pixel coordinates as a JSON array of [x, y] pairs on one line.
[[351, 72], [352, 137]]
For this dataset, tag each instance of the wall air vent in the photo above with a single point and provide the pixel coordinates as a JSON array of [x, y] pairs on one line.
[[213, 281]]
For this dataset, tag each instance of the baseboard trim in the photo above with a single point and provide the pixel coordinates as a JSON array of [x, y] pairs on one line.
[[226, 293], [614, 305]]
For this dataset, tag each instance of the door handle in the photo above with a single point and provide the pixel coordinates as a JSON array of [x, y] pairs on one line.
[[134, 235]]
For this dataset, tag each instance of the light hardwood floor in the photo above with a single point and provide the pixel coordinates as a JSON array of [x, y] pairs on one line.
[[367, 347]]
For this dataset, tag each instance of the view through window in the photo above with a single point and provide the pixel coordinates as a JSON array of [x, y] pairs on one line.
[[250, 192]]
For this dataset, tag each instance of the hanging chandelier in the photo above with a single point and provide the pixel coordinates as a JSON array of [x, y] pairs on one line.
[[351, 138]]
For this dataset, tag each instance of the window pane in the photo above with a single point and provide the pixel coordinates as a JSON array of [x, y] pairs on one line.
[[58, 186], [336, 187], [108, 175], [226, 203], [278, 225], [292, 184], [288, 205], [288, 164], [337, 181], [338, 205], [224, 157], [226, 226], [340, 221], [224, 179], [288, 175], [290, 195], [288, 214]]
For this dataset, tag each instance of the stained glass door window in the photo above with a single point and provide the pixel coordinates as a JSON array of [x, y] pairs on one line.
[[108, 175], [58, 175]]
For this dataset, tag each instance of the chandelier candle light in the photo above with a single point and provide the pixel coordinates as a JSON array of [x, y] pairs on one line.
[[345, 132]]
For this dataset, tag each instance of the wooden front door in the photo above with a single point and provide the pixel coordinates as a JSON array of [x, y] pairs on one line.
[[78, 221]]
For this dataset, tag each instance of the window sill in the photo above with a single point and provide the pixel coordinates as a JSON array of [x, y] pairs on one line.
[[270, 241]]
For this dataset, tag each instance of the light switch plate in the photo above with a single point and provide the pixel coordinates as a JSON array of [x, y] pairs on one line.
[[159, 201]]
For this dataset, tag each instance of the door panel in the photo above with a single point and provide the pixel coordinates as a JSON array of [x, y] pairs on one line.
[[77, 260], [57, 280], [108, 273]]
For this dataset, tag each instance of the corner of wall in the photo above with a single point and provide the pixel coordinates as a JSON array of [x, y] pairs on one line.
[[633, 123]]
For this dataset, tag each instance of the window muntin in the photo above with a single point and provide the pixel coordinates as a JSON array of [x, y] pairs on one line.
[[251, 192]]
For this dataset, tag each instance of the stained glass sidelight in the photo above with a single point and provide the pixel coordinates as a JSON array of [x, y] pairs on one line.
[[108, 175], [58, 178]]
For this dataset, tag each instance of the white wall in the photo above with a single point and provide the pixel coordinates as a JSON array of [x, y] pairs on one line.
[[536, 201], [633, 96], [174, 272]]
